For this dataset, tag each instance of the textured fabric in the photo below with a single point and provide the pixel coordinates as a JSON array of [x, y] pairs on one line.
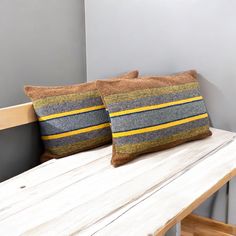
[[72, 118], [153, 113]]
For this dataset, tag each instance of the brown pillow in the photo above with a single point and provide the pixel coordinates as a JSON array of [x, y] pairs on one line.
[[72, 118], [153, 113]]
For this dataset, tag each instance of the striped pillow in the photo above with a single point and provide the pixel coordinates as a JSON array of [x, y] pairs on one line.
[[153, 113], [72, 118]]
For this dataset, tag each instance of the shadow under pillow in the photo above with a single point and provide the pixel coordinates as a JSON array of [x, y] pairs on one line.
[[72, 118], [154, 113]]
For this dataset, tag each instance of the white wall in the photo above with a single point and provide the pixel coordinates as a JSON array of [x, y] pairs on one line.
[[166, 36], [42, 42]]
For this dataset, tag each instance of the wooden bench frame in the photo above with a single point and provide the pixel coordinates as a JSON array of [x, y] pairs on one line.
[[17, 115], [24, 114], [197, 225]]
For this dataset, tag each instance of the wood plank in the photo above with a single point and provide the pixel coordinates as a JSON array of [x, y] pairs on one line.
[[54, 168], [17, 115], [117, 214], [197, 225], [83, 193], [49, 171], [171, 204], [108, 190]]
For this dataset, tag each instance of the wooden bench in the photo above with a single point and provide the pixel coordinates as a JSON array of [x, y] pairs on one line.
[[84, 195]]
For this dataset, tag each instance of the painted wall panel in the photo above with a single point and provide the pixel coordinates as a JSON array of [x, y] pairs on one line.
[[167, 36]]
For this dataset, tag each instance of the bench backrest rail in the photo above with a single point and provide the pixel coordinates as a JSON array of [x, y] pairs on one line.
[[17, 115]]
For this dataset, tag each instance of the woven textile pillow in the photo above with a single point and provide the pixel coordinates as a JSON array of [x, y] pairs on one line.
[[72, 118], [153, 113]]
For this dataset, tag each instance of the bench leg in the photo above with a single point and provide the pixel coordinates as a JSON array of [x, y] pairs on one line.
[[175, 230]]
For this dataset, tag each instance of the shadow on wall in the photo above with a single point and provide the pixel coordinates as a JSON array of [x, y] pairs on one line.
[[21, 148], [215, 100]]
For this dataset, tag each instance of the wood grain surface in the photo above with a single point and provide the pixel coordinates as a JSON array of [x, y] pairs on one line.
[[194, 225], [17, 115], [84, 195]]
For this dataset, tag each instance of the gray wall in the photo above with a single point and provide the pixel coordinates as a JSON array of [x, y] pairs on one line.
[[41, 43], [166, 36], [21, 148]]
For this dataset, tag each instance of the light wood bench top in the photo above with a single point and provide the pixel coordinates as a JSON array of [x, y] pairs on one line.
[[84, 195]]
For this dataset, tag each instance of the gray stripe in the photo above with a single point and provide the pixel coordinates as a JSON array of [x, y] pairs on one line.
[[68, 123], [150, 136], [78, 138], [68, 106], [156, 117], [147, 101]]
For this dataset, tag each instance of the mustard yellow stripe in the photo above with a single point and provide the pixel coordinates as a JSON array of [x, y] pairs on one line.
[[74, 112], [59, 99], [74, 132], [152, 107], [159, 127], [143, 93]]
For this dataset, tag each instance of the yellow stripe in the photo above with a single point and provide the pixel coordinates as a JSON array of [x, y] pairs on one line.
[[152, 107], [159, 127], [74, 112], [74, 132]]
